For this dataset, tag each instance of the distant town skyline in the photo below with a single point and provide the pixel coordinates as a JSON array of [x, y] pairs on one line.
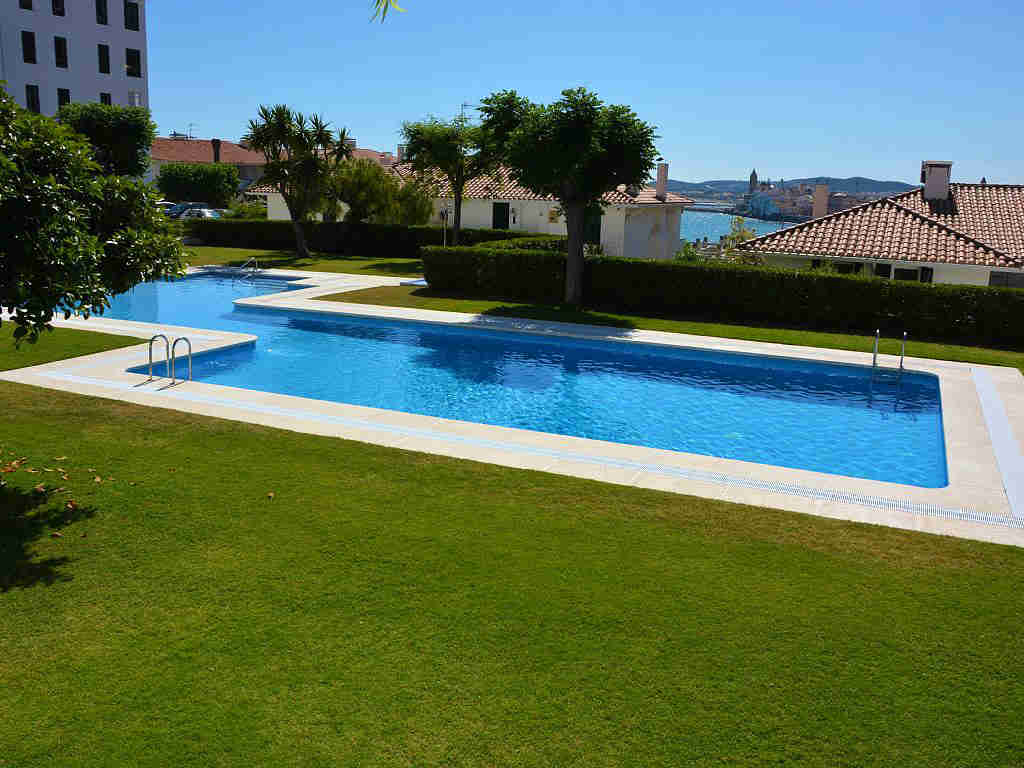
[[796, 89]]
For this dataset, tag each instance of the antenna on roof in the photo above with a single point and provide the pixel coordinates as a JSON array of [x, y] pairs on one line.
[[190, 130]]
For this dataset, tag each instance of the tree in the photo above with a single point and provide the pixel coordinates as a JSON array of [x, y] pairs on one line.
[[121, 136], [414, 204], [70, 237], [212, 183], [381, 8], [739, 233], [576, 149], [458, 150], [300, 154], [364, 186]]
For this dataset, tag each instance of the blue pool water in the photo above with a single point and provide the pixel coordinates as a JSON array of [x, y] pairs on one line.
[[823, 417]]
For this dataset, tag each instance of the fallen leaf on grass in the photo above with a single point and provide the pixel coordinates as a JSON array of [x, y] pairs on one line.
[[90, 470], [33, 470], [270, 495], [60, 458], [56, 535], [40, 488], [71, 506], [97, 479]]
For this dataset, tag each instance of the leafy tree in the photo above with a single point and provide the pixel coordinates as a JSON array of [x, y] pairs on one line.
[[70, 237], [121, 136], [457, 149], [576, 149], [739, 232], [364, 187], [381, 8], [300, 155], [213, 183], [414, 203]]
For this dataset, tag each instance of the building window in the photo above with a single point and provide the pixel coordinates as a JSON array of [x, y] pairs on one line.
[[133, 62], [848, 268], [883, 270], [927, 273], [60, 52], [134, 99], [131, 16], [63, 97], [25, 5], [58, 7], [32, 98], [1006, 279], [104, 54], [28, 47], [905, 274], [105, 99], [101, 12]]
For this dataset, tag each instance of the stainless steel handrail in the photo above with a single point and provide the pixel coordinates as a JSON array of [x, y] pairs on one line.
[[874, 357], [174, 348], [167, 354], [903, 350]]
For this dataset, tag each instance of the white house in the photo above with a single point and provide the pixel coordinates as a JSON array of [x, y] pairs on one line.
[[971, 234], [57, 51], [636, 223]]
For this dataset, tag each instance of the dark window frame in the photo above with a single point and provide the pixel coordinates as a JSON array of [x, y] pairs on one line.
[[58, 8], [63, 97], [129, 54], [102, 12], [60, 52], [25, 5], [908, 274], [103, 56], [29, 54], [883, 270], [32, 103], [105, 98], [132, 16]]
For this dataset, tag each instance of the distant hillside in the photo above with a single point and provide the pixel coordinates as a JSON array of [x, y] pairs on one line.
[[857, 185]]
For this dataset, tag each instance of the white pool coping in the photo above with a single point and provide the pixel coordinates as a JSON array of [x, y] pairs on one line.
[[983, 414]]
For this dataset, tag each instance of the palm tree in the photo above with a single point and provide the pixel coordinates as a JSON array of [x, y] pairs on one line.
[[299, 153]]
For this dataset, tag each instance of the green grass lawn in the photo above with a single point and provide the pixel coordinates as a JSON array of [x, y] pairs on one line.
[[181, 589], [58, 344], [424, 298], [319, 262]]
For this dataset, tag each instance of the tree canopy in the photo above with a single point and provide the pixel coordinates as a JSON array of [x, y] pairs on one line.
[[121, 136], [576, 149], [213, 183], [371, 193], [457, 149], [70, 236], [300, 155]]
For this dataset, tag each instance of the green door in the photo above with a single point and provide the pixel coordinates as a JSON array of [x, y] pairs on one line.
[[499, 216], [592, 227]]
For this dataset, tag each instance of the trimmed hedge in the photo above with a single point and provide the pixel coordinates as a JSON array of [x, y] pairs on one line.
[[732, 293], [337, 237]]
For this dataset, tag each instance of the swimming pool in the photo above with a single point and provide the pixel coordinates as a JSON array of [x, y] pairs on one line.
[[818, 416]]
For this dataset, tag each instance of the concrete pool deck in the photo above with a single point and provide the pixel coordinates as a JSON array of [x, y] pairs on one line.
[[983, 413]]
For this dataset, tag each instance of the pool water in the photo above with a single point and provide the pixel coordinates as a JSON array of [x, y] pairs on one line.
[[808, 415]]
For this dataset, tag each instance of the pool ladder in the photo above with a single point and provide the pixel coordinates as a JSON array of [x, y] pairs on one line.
[[874, 356], [253, 269], [170, 357]]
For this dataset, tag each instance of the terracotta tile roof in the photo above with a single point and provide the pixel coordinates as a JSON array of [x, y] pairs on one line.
[[502, 187], [201, 151], [981, 225], [385, 159]]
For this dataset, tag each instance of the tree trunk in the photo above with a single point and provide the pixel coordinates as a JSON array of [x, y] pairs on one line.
[[457, 216], [574, 218], [300, 239]]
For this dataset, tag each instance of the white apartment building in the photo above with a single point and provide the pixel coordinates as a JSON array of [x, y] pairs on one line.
[[58, 51]]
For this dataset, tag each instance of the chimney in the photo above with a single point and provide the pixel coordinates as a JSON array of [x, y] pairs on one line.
[[661, 190], [350, 143], [935, 177], [401, 152], [820, 206], [215, 143]]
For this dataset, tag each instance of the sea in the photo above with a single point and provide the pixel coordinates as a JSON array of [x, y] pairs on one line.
[[696, 225]]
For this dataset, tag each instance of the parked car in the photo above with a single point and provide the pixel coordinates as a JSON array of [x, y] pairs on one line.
[[165, 205], [199, 213], [180, 208]]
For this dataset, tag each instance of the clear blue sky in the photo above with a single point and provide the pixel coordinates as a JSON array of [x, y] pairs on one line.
[[822, 87]]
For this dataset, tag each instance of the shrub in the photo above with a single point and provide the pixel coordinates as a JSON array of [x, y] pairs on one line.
[[213, 183], [121, 137], [737, 293], [363, 239]]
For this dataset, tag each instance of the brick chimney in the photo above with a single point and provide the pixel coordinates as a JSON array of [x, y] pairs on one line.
[[215, 143], [820, 204], [935, 177], [661, 190], [401, 153]]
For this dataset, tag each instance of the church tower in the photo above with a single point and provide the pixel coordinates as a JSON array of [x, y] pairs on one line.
[[753, 181]]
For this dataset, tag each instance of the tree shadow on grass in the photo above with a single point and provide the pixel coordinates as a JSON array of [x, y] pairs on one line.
[[291, 260], [25, 517]]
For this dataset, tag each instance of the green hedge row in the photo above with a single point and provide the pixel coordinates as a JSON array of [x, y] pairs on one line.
[[339, 237], [731, 293]]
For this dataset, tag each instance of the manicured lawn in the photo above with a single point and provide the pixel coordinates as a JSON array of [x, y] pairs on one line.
[[424, 298], [232, 595], [59, 344], [322, 262]]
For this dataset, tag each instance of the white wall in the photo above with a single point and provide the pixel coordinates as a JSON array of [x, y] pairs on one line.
[[651, 232], [82, 77], [954, 274]]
